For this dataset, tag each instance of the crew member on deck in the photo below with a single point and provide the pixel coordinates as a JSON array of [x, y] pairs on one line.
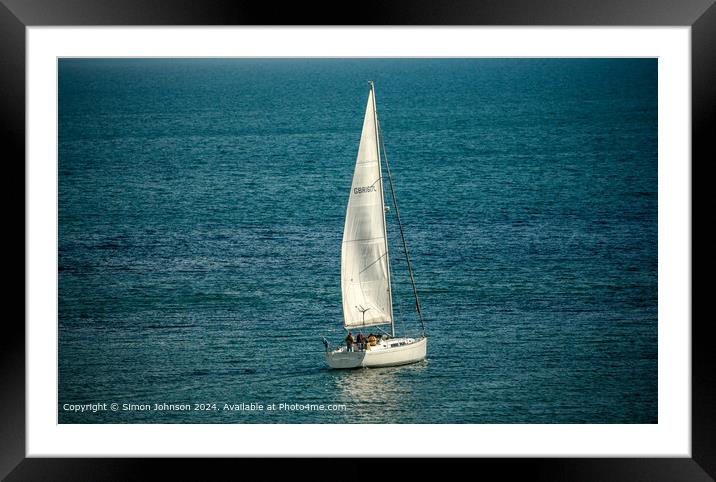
[[350, 341], [361, 341]]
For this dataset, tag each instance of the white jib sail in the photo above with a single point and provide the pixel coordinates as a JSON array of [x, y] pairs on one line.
[[365, 282]]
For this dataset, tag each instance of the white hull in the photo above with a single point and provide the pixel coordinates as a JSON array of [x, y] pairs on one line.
[[387, 353]]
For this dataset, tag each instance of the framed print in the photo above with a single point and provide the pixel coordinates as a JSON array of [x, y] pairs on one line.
[[200, 248]]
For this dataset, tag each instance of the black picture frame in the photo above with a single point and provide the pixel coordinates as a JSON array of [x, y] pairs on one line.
[[16, 15]]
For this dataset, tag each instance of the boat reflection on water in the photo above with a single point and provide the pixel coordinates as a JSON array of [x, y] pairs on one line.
[[377, 395]]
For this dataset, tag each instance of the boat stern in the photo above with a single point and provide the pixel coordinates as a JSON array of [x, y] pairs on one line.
[[342, 358]]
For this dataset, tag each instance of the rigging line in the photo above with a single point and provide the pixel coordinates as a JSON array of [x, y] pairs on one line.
[[400, 225], [382, 205], [373, 183], [381, 257], [362, 240]]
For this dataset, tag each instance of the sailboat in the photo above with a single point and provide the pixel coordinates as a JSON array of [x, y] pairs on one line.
[[365, 265]]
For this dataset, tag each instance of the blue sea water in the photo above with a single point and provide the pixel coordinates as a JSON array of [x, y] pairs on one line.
[[201, 206]]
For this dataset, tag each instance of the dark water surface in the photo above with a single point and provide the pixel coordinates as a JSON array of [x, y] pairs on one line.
[[201, 207]]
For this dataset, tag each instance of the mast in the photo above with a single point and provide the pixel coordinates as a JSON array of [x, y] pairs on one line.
[[402, 236], [382, 204]]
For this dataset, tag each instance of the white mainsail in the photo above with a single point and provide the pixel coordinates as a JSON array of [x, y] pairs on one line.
[[365, 269]]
